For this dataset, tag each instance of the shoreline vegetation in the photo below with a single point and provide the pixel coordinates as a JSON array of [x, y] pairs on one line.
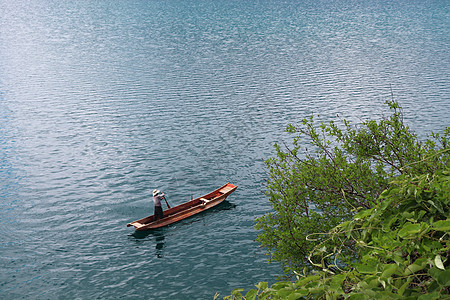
[[363, 213]]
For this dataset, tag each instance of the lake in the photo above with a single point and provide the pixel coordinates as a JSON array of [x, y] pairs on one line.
[[103, 101]]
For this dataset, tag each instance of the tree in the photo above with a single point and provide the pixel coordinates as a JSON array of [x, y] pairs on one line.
[[347, 169], [403, 244]]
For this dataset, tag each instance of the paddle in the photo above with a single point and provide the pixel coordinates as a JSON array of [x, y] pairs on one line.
[[166, 202]]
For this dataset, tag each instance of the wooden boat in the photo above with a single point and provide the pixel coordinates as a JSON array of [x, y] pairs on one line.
[[185, 210]]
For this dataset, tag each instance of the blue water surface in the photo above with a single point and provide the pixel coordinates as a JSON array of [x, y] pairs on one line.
[[103, 101]]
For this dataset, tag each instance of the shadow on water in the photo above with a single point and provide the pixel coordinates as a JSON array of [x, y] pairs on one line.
[[158, 235], [225, 205]]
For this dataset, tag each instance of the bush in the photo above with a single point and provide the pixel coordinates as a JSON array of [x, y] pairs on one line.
[[403, 244], [345, 169]]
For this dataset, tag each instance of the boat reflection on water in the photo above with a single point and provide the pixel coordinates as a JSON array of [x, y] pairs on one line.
[[225, 205], [160, 242], [158, 235]]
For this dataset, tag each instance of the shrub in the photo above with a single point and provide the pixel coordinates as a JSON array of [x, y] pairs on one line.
[[403, 244], [346, 168]]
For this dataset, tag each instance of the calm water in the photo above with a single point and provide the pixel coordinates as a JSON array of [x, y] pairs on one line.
[[102, 101]]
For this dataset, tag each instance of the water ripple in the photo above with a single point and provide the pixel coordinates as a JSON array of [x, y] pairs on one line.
[[102, 102]]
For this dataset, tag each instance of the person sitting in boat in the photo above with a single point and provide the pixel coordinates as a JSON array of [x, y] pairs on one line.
[[157, 197]]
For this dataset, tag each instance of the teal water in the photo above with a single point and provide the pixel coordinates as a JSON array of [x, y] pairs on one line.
[[103, 101]]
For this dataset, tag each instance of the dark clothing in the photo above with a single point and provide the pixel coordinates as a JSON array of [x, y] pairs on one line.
[[158, 213], [158, 209]]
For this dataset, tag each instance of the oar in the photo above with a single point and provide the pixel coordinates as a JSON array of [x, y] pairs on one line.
[[166, 202]]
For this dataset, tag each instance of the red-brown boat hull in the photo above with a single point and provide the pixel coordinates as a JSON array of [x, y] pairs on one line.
[[185, 210]]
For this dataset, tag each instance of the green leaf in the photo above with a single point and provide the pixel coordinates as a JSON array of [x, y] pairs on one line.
[[442, 225], [285, 292], [398, 259], [407, 214], [385, 204], [318, 290], [437, 205], [409, 230], [298, 294], [388, 223], [366, 269], [438, 262], [280, 285], [389, 271], [402, 289], [307, 279], [336, 282], [431, 296], [262, 285], [436, 273], [413, 268], [251, 295], [237, 293], [444, 278], [362, 214]]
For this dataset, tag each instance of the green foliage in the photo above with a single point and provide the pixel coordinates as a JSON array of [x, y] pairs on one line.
[[403, 243], [346, 168]]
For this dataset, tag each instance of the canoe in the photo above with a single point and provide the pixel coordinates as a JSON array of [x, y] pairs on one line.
[[186, 210]]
